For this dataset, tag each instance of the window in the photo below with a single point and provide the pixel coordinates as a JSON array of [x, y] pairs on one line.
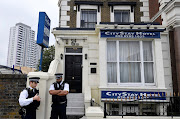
[[130, 62], [88, 18], [148, 62], [112, 62], [73, 50], [121, 15]]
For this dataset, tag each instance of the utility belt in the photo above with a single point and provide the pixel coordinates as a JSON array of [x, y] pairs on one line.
[[59, 103], [22, 111]]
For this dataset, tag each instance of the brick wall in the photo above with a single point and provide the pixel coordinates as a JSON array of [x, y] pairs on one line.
[[10, 87], [105, 13], [153, 9]]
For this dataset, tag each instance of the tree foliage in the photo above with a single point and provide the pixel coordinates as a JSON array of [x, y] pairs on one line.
[[48, 56]]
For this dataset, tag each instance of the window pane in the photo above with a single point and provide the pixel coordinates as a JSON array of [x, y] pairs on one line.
[[121, 16], [89, 25], [125, 16], [147, 51], [73, 50], [92, 17], [130, 73], [112, 72], [88, 18], [111, 51], [148, 72], [129, 51], [84, 16], [117, 16]]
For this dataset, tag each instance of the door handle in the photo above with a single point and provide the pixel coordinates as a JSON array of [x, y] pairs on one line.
[[72, 77]]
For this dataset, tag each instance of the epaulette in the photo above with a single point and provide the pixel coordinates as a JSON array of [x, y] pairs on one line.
[[26, 88]]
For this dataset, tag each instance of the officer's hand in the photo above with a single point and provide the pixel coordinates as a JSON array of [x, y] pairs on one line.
[[36, 97]]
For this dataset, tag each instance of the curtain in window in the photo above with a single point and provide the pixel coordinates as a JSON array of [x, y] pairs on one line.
[[147, 51], [112, 72], [111, 51], [129, 51], [129, 71], [125, 16], [112, 62], [148, 72], [121, 16], [84, 18], [88, 18], [148, 62]]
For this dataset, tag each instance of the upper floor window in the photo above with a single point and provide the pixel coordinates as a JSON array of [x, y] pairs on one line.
[[121, 15], [88, 18]]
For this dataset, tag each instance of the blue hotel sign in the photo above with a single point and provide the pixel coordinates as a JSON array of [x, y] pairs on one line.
[[126, 34], [43, 30], [133, 95]]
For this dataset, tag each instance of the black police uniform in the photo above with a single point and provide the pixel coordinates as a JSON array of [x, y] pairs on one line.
[[31, 108], [28, 107], [59, 103]]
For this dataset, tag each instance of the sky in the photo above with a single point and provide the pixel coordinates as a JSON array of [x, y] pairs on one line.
[[27, 12]]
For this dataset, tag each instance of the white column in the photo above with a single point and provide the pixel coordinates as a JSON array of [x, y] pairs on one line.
[[45, 81], [59, 49], [102, 62], [86, 88], [99, 15], [78, 19], [159, 64]]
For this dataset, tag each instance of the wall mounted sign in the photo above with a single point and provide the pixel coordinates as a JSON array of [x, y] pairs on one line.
[[126, 34], [133, 95], [43, 30]]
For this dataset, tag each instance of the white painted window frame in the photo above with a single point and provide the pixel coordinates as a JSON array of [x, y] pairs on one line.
[[122, 7], [88, 7], [141, 65]]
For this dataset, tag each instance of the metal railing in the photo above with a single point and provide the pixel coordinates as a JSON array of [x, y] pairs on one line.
[[155, 106]]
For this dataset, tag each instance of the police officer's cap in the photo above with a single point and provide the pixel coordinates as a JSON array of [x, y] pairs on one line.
[[58, 75], [34, 79]]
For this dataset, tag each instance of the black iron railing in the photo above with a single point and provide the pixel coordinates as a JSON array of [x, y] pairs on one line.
[[169, 106]]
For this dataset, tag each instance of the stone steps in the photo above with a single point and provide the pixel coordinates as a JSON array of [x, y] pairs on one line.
[[75, 117], [75, 111], [75, 105]]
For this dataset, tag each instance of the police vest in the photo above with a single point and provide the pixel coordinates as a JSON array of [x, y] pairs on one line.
[[56, 99], [35, 104]]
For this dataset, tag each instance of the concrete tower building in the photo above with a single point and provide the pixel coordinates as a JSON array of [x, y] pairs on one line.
[[22, 49]]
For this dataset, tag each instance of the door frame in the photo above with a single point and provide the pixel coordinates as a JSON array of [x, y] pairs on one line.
[[81, 54]]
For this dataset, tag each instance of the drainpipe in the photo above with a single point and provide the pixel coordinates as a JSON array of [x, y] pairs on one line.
[[59, 5]]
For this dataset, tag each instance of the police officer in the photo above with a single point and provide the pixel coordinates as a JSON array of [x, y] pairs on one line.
[[29, 99], [59, 90]]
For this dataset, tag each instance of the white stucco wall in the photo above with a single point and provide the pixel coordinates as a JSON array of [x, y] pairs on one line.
[[95, 47], [96, 50]]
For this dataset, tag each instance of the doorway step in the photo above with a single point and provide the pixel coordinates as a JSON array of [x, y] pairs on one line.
[[75, 105]]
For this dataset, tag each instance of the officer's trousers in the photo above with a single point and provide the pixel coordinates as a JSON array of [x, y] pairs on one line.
[[58, 110], [30, 114]]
